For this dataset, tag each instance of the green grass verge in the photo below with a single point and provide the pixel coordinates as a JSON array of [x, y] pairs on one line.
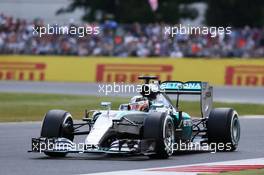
[[246, 172], [32, 107]]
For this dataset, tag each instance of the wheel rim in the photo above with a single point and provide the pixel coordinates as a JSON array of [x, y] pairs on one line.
[[67, 128], [235, 130], [169, 137]]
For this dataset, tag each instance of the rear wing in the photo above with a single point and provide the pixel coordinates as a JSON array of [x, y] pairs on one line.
[[191, 88]]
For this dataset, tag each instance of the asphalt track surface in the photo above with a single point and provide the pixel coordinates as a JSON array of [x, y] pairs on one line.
[[15, 137], [15, 141], [222, 94]]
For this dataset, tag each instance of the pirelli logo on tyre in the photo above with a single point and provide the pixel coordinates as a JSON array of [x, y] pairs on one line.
[[22, 71], [244, 75], [129, 73]]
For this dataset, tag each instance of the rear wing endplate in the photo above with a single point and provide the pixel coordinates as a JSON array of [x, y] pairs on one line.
[[191, 88]]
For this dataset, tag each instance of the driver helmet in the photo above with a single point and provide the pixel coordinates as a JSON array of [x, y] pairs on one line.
[[139, 103]]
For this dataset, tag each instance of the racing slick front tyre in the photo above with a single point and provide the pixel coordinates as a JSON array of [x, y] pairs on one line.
[[57, 123], [223, 129], [160, 128]]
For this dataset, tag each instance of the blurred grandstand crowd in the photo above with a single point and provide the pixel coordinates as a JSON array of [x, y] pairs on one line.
[[16, 37]]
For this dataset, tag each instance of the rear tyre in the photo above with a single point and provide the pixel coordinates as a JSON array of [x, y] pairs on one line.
[[162, 130], [223, 129], [57, 123]]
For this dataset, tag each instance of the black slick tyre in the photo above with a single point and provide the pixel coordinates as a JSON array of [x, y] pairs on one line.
[[223, 129], [160, 128], [57, 123]]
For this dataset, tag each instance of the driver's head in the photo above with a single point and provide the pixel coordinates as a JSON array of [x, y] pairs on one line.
[[139, 103]]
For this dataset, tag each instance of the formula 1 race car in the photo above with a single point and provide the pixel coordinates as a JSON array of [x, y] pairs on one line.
[[150, 124]]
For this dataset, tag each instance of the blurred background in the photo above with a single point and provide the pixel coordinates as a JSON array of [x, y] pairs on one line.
[[133, 27], [130, 30]]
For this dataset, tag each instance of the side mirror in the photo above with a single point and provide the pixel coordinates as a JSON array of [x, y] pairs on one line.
[[106, 105]]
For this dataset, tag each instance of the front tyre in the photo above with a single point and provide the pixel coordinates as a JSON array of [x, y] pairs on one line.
[[57, 123], [162, 130], [223, 128]]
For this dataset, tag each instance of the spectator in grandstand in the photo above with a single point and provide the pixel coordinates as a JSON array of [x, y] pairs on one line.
[[16, 37]]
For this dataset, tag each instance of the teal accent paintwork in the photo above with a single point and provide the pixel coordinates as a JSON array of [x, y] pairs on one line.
[[120, 114], [186, 130], [184, 115]]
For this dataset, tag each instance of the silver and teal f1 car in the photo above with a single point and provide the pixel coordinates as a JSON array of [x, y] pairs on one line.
[[150, 124]]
